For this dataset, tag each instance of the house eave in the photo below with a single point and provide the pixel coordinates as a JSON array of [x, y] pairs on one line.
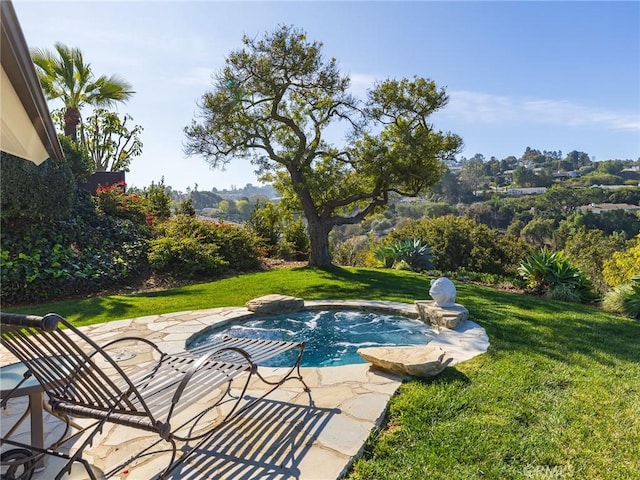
[[17, 64]]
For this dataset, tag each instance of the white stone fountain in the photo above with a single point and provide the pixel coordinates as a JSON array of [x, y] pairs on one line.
[[442, 311]]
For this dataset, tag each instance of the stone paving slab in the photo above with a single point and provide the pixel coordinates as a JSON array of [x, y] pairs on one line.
[[316, 436]]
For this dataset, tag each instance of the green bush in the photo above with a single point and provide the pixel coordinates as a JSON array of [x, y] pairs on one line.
[[500, 281], [386, 255], [564, 292], [186, 247], [550, 273], [158, 201], [352, 252], [51, 185], [295, 242], [186, 208], [617, 301], [624, 299], [279, 234], [185, 257], [461, 243], [113, 201], [32, 194], [84, 253], [589, 249], [266, 221], [238, 245], [77, 158]]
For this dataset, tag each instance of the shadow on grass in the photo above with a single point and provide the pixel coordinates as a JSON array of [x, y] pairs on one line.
[[308, 283], [448, 375]]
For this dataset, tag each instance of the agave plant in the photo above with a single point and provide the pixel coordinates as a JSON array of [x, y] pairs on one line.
[[416, 254], [386, 254], [536, 270], [410, 251], [550, 273]]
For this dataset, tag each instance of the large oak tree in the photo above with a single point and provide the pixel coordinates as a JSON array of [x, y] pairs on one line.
[[277, 102]]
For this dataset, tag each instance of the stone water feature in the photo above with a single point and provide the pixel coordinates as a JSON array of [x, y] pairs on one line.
[[447, 317], [442, 311]]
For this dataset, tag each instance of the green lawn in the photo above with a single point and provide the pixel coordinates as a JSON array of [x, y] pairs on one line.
[[556, 396]]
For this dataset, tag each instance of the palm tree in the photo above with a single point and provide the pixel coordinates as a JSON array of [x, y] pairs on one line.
[[65, 76]]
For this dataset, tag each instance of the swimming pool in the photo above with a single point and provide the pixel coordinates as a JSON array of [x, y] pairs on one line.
[[332, 336]]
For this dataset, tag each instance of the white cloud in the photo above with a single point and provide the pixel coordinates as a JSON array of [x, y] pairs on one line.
[[195, 77], [482, 107], [361, 83]]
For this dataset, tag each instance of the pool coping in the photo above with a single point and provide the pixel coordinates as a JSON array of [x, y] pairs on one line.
[[463, 343]]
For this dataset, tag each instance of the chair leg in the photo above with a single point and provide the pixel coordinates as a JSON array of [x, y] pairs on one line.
[[172, 462], [77, 456]]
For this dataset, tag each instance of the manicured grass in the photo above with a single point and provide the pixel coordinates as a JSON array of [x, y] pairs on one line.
[[306, 283], [556, 396]]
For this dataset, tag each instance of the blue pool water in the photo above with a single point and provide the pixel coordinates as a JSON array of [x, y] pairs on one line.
[[332, 337]]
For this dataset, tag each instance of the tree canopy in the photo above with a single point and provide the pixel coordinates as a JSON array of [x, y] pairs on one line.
[[277, 102], [109, 141], [64, 74]]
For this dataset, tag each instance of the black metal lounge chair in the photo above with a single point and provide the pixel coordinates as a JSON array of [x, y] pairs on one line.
[[82, 379]]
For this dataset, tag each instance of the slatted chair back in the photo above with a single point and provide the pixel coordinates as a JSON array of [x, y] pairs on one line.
[[72, 367]]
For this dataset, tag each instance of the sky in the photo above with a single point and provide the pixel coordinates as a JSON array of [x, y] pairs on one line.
[[545, 75]]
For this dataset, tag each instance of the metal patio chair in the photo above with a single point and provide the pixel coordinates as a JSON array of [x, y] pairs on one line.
[[84, 380]]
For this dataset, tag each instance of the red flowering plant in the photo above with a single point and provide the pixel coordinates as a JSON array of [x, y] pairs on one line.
[[113, 201]]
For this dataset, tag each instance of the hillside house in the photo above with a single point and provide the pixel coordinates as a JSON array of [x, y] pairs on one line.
[[608, 207]]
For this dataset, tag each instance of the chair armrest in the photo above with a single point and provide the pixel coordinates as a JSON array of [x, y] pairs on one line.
[[252, 367], [138, 339]]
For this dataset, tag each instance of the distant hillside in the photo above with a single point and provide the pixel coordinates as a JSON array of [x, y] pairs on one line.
[[247, 191]]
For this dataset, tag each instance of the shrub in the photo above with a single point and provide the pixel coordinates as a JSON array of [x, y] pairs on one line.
[[564, 292], [267, 222], [500, 281], [550, 273], [158, 201], [589, 249], [386, 255], [186, 208], [32, 194], [624, 265], [238, 245], [113, 201], [84, 253], [186, 247], [461, 243], [185, 257], [77, 158], [352, 252], [624, 299], [295, 242]]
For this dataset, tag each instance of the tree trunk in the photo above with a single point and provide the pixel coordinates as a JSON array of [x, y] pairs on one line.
[[319, 236], [71, 121]]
